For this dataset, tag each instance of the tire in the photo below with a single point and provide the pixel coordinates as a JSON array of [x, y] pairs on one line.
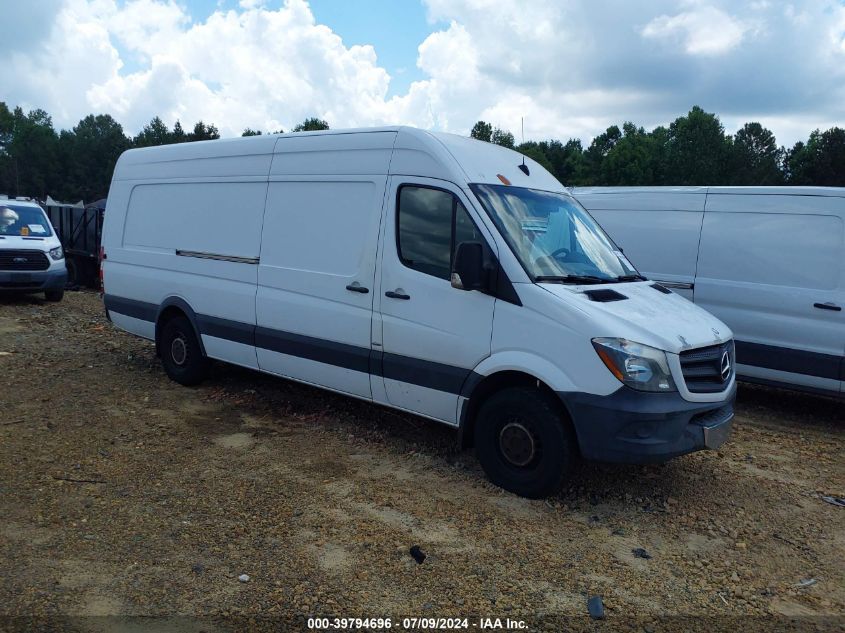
[[524, 443], [54, 295], [181, 353]]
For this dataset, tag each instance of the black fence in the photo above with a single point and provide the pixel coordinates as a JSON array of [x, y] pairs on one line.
[[80, 231]]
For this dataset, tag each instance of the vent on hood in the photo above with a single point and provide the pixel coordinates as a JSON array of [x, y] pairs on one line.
[[661, 288], [604, 295]]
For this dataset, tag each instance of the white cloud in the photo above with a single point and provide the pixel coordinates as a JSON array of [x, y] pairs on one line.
[[146, 27], [256, 68], [703, 30], [76, 52], [570, 69]]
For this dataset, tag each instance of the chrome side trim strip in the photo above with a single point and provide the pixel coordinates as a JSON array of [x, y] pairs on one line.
[[218, 257], [678, 285]]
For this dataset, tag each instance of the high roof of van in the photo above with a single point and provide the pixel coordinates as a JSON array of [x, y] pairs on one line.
[[770, 190], [398, 150]]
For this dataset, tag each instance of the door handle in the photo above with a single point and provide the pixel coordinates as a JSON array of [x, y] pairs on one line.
[[828, 306], [356, 287], [396, 295]]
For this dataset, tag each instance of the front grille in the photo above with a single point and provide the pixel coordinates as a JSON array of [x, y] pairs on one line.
[[702, 368], [23, 260]]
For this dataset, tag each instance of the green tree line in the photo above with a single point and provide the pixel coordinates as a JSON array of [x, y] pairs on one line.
[[693, 150], [37, 160]]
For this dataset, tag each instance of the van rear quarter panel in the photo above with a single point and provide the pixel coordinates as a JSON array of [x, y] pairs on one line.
[[213, 217]]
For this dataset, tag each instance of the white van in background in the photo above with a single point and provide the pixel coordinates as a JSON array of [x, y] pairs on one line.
[[431, 273], [768, 261], [31, 255]]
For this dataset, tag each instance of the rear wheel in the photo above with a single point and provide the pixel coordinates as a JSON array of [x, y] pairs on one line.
[[54, 295], [523, 442], [181, 353]]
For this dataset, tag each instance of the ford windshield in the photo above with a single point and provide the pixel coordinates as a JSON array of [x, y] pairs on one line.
[[553, 237], [20, 220]]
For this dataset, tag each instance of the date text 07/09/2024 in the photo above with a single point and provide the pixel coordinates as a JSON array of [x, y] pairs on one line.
[[412, 623]]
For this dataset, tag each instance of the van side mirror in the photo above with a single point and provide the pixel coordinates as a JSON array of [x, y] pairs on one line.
[[468, 270]]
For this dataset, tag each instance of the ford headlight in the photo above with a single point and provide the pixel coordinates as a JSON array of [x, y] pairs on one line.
[[636, 365], [57, 253]]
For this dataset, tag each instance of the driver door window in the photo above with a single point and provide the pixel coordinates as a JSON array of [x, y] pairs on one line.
[[465, 229], [431, 224]]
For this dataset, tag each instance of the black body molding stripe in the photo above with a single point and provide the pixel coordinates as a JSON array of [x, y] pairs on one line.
[[424, 373], [320, 350], [796, 361], [224, 328], [131, 308]]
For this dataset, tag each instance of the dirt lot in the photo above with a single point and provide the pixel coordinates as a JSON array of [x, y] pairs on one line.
[[124, 494]]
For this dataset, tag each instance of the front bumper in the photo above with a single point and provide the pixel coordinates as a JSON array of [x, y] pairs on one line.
[[33, 280], [639, 427]]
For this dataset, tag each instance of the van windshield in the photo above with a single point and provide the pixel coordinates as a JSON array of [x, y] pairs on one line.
[[554, 238], [27, 221]]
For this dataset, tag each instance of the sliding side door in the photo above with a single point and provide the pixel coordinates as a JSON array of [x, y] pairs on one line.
[[318, 250]]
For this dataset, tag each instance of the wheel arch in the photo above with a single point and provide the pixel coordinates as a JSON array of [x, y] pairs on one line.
[[173, 307], [483, 387]]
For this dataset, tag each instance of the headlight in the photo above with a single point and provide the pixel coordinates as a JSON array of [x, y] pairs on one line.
[[638, 366], [57, 253]]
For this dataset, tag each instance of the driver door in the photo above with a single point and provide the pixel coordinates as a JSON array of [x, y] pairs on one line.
[[432, 334]]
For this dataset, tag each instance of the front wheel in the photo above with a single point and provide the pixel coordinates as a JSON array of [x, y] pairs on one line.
[[181, 353], [524, 443]]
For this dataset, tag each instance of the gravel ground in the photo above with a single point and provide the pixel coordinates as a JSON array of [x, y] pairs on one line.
[[123, 494]]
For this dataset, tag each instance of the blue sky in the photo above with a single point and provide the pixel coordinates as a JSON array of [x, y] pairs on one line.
[[395, 28]]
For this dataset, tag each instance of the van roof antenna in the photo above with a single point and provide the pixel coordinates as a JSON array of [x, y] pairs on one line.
[[523, 167]]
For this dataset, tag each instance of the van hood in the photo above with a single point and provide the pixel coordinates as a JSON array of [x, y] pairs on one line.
[[20, 242], [665, 321]]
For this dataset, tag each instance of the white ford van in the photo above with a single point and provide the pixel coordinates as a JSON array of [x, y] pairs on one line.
[[768, 261], [431, 273], [31, 256]]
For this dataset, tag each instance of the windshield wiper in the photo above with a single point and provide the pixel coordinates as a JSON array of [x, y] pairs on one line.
[[631, 278], [574, 279]]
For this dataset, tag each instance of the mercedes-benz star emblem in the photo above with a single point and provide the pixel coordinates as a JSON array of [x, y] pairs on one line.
[[725, 366]]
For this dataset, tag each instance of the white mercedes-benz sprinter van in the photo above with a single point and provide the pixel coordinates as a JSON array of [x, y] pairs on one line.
[[769, 261], [31, 255], [431, 273]]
